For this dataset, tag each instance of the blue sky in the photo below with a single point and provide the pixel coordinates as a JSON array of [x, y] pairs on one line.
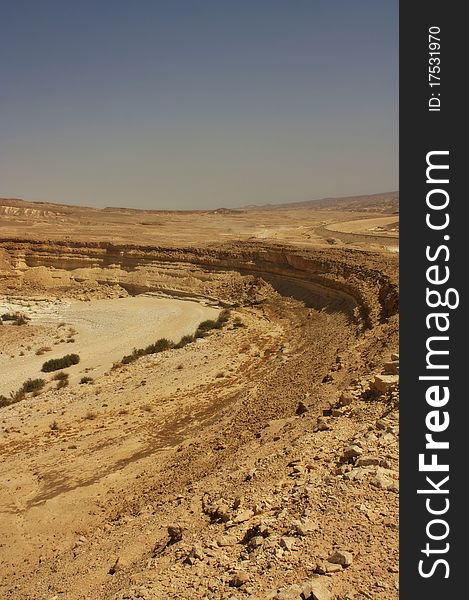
[[197, 103]]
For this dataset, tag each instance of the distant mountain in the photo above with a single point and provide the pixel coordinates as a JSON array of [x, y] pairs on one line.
[[387, 202]]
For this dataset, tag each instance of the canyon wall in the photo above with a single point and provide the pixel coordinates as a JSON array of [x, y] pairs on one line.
[[362, 285]]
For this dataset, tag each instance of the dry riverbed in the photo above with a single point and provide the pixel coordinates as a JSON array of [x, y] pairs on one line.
[[101, 332]]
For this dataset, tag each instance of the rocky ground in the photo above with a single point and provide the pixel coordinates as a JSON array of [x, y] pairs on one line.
[[260, 461]]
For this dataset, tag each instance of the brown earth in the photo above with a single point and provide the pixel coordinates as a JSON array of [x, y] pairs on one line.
[[259, 461]]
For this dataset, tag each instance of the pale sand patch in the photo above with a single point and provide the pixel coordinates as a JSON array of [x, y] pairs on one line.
[[366, 225], [106, 331]]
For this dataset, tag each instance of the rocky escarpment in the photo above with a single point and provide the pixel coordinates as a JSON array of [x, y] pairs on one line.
[[361, 284]]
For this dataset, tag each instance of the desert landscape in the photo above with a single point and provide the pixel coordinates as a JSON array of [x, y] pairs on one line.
[[199, 404]]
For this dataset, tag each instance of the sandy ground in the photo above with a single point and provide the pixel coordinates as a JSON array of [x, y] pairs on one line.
[[379, 225], [103, 331]]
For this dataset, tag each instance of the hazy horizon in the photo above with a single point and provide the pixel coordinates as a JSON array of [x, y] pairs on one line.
[[178, 104]]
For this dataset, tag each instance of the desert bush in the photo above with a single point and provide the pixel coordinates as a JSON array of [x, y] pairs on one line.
[[164, 344], [224, 316], [54, 364], [186, 339], [8, 317], [62, 379], [159, 346], [21, 320], [32, 385], [129, 358], [208, 325], [4, 401], [86, 380], [17, 396], [17, 318], [60, 376]]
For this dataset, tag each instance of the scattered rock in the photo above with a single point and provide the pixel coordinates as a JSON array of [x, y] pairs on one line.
[[301, 408], [175, 533], [239, 579], [391, 368], [243, 516], [316, 589], [385, 383], [367, 461], [304, 528], [352, 452], [292, 592], [384, 481], [195, 554], [341, 557], [115, 567], [226, 540], [346, 398], [288, 543], [322, 424]]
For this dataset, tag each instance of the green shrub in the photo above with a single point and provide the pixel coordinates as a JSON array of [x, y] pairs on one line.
[[129, 358], [60, 376], [164, 344], [4, 401], [54, 364], [32, 385], [17, 396], [62, 383], [17, 318], [86, 380], [208, 325], [159, 346], [224, 316], [21, 320], [186, 339]]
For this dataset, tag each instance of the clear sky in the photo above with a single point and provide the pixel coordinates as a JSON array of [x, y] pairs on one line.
[[197, 103]]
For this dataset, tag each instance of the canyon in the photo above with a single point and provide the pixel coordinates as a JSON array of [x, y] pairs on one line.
[[244, 463]]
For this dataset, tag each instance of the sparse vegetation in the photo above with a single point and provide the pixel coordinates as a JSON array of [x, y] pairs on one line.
[[16, 318], [62, 379], [186, 339], [60, 375], [32, 385], [4, 401], [159, 346], [208, 325], [60, 363], [164, 344], [86, 380]]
